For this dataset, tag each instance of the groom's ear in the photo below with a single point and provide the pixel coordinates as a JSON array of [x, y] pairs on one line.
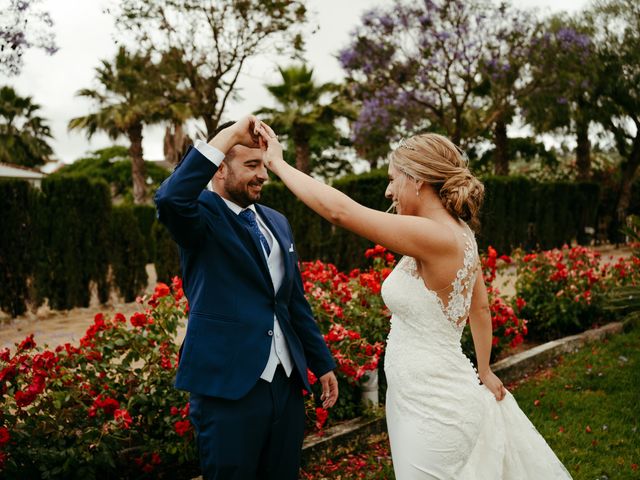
[[222, 170]]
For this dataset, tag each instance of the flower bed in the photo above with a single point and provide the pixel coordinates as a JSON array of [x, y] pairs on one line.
[[107, 406]]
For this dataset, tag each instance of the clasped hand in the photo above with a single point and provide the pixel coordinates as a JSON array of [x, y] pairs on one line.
[[254, 133]]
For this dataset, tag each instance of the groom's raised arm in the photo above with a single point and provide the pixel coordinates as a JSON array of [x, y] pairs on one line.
[[177, 198]]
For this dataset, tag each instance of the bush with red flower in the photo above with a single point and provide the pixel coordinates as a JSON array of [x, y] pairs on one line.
[[509, 326], [103, 408], [563, 290]]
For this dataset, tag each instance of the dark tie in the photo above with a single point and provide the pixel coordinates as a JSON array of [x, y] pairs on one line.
[[249, 217]]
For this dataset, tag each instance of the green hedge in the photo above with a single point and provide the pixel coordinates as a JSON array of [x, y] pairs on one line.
[[17, 202], [73, 234], [58, 243], [146, 217], [128, 254], [166, 259], [518, 212]]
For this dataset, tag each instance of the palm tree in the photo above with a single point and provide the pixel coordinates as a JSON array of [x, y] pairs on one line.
[[302, 116], [23, 132], [132, 93]]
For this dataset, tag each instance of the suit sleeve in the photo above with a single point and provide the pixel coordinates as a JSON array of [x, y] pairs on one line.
[[316, 351], [177, 198]]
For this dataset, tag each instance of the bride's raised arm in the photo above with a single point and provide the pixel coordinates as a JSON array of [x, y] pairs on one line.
[[415, 236]]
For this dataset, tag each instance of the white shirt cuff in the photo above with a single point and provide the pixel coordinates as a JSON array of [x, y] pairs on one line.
[[212, 154]]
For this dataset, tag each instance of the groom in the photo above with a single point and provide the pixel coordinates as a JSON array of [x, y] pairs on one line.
[[251, 333]]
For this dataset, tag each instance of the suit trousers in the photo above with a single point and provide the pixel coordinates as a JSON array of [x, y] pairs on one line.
[[258, 437]]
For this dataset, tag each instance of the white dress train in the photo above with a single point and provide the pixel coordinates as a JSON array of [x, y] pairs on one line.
[[443, 424]]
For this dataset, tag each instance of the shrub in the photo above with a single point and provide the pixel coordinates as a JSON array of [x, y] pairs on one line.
[[17, 244], [564, 289], [105, 408], [72, 227], [509, 328], [167, 257], [146, 216], [127, 254]]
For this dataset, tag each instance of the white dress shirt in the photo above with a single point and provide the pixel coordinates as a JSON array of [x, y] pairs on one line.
[[279, 353]]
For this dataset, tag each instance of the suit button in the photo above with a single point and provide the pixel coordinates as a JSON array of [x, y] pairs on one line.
[[270, 333], [275, 303]]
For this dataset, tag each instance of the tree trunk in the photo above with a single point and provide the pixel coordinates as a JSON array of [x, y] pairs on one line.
[[303, 157], [501, 153], [176, 142], [629, 171], [583, 151], [137, 164]]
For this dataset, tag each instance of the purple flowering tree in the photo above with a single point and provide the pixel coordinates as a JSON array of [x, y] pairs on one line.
[[22, 26], [566, 72], [447, 66]]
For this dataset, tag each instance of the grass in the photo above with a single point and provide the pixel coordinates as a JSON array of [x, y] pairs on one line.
[[587, 407]]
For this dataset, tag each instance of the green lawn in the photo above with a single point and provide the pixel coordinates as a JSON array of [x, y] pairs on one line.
[[587, 407]]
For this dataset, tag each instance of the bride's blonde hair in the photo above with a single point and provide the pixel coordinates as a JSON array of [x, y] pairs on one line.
[[435, 160]]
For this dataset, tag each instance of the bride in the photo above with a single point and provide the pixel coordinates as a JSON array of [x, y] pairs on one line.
[[445, 419]]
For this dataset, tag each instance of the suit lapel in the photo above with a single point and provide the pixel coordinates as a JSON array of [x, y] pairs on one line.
[[254, 246], [282, 240]]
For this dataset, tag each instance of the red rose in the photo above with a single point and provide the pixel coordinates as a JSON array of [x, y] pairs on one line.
[[311, 377], [122, 416], [139, 319], [182, 427], [162, 290], [5, 355], [27, 344], [4, 436], [321, 417]]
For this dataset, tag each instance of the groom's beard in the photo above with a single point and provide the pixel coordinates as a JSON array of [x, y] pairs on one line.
[[243, 195]]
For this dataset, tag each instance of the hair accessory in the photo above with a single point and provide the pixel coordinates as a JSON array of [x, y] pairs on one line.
[[403, 144]]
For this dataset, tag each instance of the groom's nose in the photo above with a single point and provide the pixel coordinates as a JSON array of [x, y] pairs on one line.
[[262, 173]]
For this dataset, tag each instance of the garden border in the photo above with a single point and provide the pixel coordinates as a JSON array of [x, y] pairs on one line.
[[318, 448]]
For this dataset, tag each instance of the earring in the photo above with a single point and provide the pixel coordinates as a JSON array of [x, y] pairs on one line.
[[417, 192]]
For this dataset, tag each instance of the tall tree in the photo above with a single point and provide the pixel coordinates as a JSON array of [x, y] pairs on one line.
[[447, 66], [564, 66], [209, 43], [22, 26], [23, 133], [129, 96], [617, 36], [306, 114]]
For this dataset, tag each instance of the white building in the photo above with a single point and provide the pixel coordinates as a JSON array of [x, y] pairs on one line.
[[33, 176]]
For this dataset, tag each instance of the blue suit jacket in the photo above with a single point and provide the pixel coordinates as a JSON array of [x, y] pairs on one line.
[[231, 296]]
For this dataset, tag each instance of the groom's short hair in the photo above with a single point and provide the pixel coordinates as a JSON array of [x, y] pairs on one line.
[[219, 128]]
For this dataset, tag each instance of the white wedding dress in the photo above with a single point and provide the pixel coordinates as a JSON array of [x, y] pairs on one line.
[[443, 424]]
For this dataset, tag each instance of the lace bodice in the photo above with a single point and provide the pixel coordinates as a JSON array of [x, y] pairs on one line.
[[456, 310], [407, 296]]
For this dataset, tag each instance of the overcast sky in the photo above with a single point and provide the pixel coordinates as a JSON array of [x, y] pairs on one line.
[[85, 35]]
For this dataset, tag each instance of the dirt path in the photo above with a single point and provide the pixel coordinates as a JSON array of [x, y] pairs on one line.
[[56, 327], [53, 327]]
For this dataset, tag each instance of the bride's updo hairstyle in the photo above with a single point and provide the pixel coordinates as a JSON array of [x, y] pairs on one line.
[[435, 160]]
